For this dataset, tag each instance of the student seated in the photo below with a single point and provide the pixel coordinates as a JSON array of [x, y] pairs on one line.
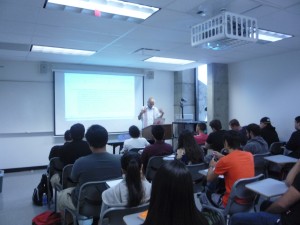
[[133, 190], [188, 150], [236, 165], [201, 135], [284, 211], [172, 197], [98, 166], [135, 141], [56, 150]]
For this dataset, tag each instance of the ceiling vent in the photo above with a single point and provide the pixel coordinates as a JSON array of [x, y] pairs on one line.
[[224, 31]]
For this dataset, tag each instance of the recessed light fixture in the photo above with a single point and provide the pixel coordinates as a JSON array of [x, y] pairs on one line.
[[168, 60], [64, 51], [271, 36], [110, 6]]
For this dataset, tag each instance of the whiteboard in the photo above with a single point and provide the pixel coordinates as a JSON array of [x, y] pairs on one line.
[[26, 106]]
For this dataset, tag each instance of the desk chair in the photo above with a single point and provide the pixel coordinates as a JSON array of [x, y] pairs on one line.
[[153, 165], [55, 166], [65, 182], [196, 176], [135, 150], [115, 215], [238, 191], [66, 174], [260, 164], [89, 202]]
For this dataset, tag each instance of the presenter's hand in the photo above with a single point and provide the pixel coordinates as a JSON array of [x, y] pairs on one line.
[[161, 111], [143, 111]]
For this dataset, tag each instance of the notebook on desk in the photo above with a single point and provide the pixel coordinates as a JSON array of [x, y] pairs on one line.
[[143, 215]]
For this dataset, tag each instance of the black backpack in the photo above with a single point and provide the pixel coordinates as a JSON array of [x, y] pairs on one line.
[[37, 196]]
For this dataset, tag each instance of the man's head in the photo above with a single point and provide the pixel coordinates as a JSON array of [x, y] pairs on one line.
[[134, 131], [96, 136], [158, 132], [253, 130], [265, 121], [67, 136], [297, 123], [234, 124], [77, 131], [201, 127], [232, 140], [215, 125], [150, 102]]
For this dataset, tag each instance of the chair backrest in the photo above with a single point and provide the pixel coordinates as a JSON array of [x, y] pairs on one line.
[[66, 181], [276, 148], [89, 199], [239, 193], [55, 166], [153, 165], [260, 163], [135, 150], [115, 214], [198, 178], [194, 170]]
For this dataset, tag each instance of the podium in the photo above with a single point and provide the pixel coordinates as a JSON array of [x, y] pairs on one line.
[[146, 132]]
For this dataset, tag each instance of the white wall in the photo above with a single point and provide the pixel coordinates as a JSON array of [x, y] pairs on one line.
[[266, 87], [28, 149]]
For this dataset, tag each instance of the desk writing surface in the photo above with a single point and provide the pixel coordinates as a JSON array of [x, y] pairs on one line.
[[113, 183], [280, 159], [133, 219], [268, 187]]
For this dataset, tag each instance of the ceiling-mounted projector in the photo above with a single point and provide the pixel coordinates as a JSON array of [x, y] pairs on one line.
[[225, 31]]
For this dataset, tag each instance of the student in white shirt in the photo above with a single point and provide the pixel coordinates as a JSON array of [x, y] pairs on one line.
[[135, 141]]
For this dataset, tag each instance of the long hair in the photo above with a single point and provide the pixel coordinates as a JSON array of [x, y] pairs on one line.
[[172, 197], [131, 164], [193, 152]]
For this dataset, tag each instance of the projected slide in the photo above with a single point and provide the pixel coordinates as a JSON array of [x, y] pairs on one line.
[[112, 101], [99, 97]]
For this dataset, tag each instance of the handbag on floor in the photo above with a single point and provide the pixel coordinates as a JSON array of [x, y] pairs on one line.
[[47, 218]]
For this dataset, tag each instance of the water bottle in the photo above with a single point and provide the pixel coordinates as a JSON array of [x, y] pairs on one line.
[[44, 199]]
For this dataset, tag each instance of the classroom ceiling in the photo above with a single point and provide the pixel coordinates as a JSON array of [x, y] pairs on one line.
[[126, 44]]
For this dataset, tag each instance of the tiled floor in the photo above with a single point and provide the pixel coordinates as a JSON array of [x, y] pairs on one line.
[[16, 206]]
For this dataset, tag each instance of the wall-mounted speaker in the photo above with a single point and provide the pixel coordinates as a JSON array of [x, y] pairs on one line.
[[150, 74], [44, 67]]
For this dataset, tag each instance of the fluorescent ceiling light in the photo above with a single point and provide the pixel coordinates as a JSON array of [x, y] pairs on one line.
[[64, 51], [266, 35], [111, 6], [168, 60]]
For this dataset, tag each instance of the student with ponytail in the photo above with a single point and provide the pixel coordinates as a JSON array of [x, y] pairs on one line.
[[133, 190]]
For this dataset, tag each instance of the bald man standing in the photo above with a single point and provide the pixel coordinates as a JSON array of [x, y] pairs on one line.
[[149, 113]]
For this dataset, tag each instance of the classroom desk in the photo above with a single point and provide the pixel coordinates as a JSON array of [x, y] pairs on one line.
[[113, 183], [169, 157], [115, 143], [268, 187], [280, 159], [133, 219]]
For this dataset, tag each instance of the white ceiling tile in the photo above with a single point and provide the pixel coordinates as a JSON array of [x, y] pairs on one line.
[[27, 22]]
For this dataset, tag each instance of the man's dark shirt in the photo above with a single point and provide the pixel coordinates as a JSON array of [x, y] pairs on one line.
[[270, 135], [294, 144], [73, 151], [159, 148]]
